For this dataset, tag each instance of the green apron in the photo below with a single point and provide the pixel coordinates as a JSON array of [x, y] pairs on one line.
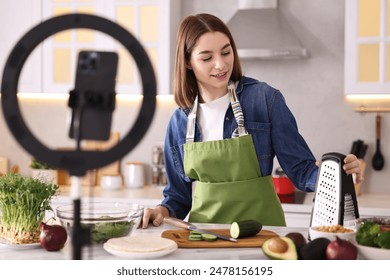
[[229, 184]]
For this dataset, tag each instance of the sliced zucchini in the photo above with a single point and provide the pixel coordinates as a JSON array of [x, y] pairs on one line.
[[195, 237], [208, 237], [245, 228]]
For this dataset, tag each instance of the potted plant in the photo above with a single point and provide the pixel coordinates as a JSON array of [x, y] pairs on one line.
[[42, 171], [23, 205]]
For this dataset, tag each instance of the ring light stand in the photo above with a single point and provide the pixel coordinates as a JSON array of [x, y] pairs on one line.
[[76, 162]]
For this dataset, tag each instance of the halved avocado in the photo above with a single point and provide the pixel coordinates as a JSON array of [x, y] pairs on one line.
[[280, 248]]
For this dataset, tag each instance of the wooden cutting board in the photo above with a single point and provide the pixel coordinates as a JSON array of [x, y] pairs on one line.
[[180, 236]]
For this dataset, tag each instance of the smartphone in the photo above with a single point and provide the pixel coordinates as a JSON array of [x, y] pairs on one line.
[[95, 85]]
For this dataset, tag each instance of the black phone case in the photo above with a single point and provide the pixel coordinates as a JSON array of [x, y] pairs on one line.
[[95, 82]]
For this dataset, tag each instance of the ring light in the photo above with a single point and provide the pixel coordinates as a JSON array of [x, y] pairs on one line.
[[77, 162]]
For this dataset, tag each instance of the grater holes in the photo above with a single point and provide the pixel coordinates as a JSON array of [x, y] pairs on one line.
[[326, 208], [323, 218]]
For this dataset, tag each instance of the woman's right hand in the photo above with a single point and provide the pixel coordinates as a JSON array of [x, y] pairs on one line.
[[155, 215]]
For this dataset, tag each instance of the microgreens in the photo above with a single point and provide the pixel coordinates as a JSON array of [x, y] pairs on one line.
[[23, 204]]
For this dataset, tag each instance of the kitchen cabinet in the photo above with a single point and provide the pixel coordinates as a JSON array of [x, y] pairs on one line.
[[16, 18], [367, 47], [53, 66]]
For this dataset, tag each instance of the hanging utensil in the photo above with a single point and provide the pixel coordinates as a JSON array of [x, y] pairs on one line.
[[378, 161], [356, 147]]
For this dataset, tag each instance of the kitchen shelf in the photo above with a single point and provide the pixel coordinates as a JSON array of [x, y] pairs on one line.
[[364, 109]]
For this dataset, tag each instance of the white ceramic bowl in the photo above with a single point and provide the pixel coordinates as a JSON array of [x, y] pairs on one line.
[[314, 233], [111, 182], [372, 253]]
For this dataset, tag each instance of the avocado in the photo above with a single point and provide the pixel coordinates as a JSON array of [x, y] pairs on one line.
[[315, 249], [299, 241], [280, 248]]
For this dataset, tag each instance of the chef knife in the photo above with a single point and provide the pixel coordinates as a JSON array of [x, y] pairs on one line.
[[186, 225]]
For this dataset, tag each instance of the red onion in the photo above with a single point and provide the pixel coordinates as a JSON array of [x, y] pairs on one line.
[[53, 237], [340, 249]]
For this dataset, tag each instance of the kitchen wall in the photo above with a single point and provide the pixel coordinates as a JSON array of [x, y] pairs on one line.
[[313, 89]]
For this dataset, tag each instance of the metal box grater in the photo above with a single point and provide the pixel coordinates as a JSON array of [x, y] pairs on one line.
[[335, 199]]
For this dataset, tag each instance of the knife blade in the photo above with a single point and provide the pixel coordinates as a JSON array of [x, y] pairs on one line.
[[186, 225]]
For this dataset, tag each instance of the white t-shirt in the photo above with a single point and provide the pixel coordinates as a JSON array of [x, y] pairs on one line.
[[211, 116]]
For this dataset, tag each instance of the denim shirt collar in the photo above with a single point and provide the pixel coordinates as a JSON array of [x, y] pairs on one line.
[[243, 81]]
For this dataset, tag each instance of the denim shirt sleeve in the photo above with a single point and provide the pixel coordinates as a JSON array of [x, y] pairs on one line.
[[178, 191], [275, 133], [292, 151]]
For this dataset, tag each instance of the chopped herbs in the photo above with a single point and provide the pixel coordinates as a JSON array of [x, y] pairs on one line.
[[101, 232]]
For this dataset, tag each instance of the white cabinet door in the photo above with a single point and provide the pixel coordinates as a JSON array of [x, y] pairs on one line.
[[16, 18], [60, 51], [150, 21], [367, 47]]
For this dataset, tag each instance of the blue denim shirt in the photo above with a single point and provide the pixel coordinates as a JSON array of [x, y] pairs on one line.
[[274, 132]]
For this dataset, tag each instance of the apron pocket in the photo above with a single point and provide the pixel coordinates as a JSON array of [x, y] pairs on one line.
[[226, 202]]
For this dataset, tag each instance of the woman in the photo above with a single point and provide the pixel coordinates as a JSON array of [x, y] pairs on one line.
[[225, 135]]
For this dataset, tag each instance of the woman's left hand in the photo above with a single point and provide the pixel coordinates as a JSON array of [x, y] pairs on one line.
[[352, 165]]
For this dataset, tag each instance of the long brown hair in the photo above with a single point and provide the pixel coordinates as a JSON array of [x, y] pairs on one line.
[[191, 28]]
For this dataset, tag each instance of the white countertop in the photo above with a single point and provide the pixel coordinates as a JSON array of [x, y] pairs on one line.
[[96, 252], [369, 204]]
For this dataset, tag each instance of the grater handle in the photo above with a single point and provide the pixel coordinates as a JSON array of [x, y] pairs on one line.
[[337, 157]]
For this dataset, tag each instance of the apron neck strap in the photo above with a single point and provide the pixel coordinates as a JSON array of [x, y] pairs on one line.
[[191, 120], [237, 111]]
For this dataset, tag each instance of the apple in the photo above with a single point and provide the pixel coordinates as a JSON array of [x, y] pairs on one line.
[[52, 237]]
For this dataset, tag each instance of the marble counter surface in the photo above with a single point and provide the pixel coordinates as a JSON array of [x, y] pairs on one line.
[[97, 252], [370, 204]]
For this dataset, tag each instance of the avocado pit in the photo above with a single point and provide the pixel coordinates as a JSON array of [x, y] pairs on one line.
[[280, 248], [277, 245]]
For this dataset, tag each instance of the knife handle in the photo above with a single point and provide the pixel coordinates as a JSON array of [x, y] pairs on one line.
[[177, 222]]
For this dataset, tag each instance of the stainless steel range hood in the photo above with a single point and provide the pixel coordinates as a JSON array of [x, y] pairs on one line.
[[261, 32]]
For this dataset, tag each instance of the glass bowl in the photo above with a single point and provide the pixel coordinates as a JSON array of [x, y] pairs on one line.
[[105, 219]]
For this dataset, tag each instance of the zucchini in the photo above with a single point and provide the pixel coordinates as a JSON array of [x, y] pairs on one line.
[[195, 238], [208, 237], [245, 228]]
